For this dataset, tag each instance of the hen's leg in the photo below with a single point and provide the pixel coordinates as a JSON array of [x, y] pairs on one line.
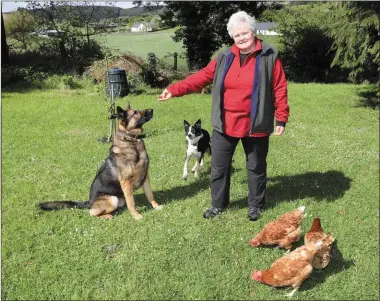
[[302, 276], [292, 292]]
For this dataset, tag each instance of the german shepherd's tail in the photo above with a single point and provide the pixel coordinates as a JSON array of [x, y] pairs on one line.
[[57, 205]]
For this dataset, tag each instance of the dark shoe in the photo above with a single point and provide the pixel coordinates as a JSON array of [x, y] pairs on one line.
[[212, 212], [254, 213]]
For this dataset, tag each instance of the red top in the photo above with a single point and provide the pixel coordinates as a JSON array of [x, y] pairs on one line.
[[238, 91]]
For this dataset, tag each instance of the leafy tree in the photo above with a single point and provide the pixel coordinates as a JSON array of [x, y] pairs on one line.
[[19, 25], [305, 46], [203, 26], [54, 15], [85, 13], [65, 17], [4, 46], [168, 19], [148, 5], [355, 32]]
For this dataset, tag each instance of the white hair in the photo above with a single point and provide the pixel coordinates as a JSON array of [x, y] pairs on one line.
[[241, 17]]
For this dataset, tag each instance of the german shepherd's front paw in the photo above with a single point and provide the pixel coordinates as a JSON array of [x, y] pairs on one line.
[[156, 205], [159, 207], [137, 216], [184, 176]]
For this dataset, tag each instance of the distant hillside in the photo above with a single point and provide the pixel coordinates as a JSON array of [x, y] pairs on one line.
[[102, 12], [140, 11]]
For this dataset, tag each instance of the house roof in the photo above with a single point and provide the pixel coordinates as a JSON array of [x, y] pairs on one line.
[[151, 23], [136, 25], [265, 25]]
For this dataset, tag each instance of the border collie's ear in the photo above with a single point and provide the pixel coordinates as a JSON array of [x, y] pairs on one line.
[[128, 107], [198, 123], [186, 124], [120, 112]]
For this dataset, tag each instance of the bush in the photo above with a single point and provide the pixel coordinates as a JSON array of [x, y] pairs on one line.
[[65, 82], [22, 76], [305, 47], [132, 64], [45, 56]]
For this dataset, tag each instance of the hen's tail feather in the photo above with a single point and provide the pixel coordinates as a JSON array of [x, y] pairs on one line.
[[57, 205], [301, 209]]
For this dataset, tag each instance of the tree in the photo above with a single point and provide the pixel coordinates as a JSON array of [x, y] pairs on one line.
[[4, 46], [305, 47], [85, 13], [20, 25], [54, 15], [355, 32], [203, 26], [65, 17]]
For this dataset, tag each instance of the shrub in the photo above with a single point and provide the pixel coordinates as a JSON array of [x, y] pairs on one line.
[[45, 56], [129, 62], [64, 82], [26, 76], [305, 47]]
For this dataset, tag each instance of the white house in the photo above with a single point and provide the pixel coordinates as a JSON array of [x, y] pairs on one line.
[[48, 33], [151, 26], [138, 27], [266, 29]]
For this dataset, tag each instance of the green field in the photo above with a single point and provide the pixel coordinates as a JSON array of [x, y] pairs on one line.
[[327, 160], [158, 42]]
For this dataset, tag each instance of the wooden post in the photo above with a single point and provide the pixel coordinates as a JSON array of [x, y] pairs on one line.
[[175, 55]]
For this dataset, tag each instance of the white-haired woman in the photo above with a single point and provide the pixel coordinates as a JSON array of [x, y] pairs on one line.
[[249, 91]]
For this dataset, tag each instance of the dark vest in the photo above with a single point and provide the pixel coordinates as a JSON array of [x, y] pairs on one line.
[[262, 100]]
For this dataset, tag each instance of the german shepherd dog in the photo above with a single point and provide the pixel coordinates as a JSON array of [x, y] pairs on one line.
[[124, 170], [198, 143]]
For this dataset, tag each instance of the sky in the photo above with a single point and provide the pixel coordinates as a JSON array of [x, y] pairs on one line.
[[8, 5]]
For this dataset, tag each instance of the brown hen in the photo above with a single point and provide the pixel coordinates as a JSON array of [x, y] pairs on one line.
[[290, 270], [283, 231], [323, 256]]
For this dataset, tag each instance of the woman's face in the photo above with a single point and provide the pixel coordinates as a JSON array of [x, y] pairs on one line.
[[243, 37]]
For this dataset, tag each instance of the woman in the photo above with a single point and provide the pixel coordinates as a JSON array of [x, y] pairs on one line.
[[249, 91]]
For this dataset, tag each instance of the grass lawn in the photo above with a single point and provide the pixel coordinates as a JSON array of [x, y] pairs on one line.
[[327, 160], [158, 42]]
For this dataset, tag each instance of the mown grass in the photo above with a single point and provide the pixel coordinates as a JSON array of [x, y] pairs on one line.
[[327, 160], [158, 42]]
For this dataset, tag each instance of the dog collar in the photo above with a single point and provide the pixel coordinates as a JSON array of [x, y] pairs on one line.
[[123, 135]]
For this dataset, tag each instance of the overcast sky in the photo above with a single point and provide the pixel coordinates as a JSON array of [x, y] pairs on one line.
[[8, 5]]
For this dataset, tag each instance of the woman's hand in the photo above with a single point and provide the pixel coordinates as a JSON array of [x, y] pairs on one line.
[[165, 95], [279, 130]]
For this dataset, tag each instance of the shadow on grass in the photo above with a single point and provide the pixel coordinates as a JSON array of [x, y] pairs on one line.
[[164, 197], [177, 193], [368, 97], [337, 264], [182, 192], [330, 186]]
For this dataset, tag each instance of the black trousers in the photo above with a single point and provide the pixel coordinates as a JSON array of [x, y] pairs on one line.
[[223, 148]]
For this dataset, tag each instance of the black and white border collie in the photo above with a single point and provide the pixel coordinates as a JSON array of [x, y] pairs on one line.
[[198, 142]]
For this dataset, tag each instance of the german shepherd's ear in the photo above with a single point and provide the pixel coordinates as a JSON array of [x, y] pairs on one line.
[[128, 106], [120, 113], [198, 124]]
